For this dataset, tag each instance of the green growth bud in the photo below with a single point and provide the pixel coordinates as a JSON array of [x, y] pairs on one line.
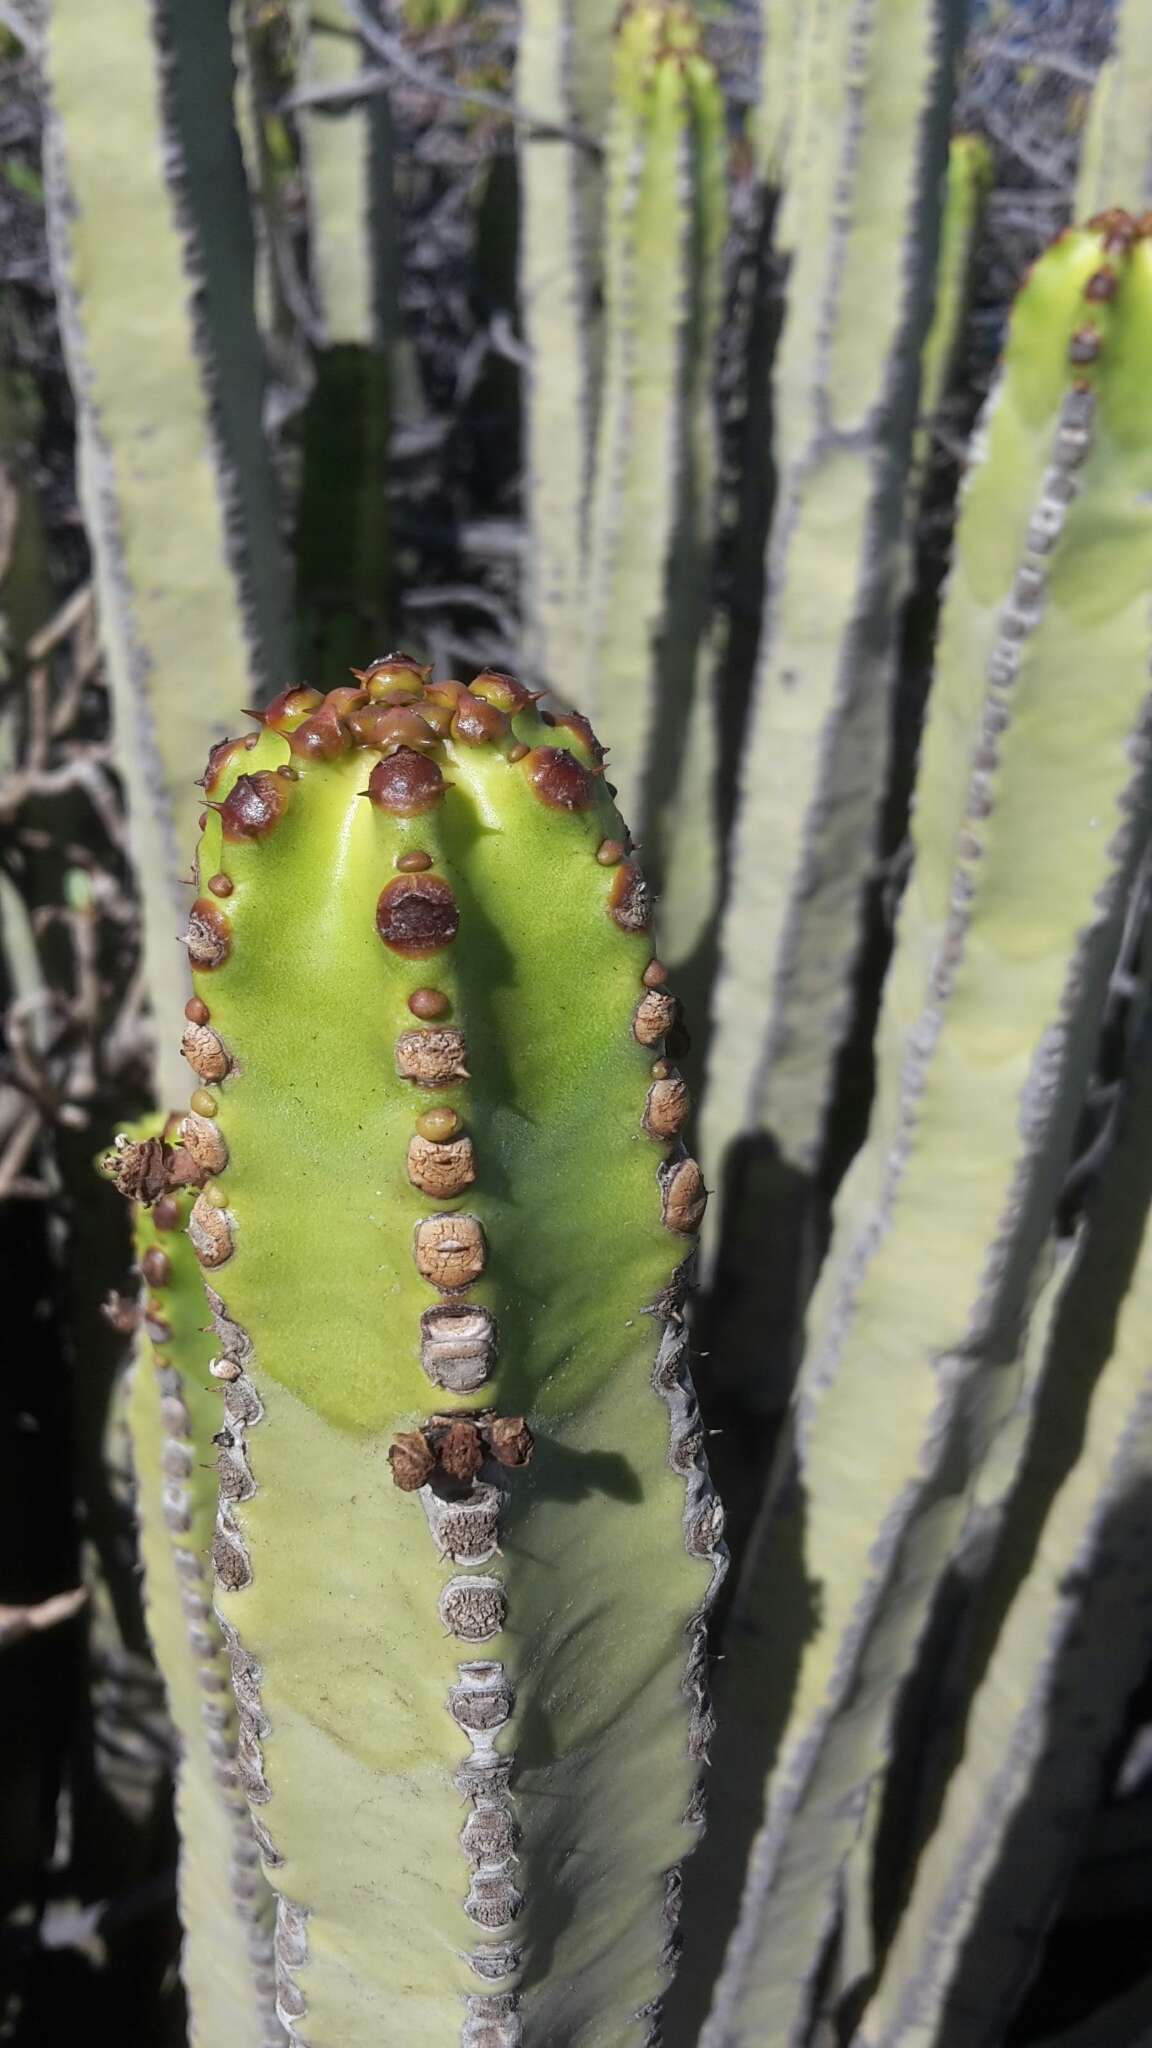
[[466, 1539]]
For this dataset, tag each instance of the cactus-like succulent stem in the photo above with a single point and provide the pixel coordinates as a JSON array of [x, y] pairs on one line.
[[465, 1538], [1030, 815], [226, 1906]]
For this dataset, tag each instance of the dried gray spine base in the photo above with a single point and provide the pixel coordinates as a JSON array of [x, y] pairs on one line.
[[703, 1533], [243, 1409], [178, 1460]]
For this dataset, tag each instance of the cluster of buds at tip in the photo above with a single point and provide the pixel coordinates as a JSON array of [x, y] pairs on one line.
[[454, 1447]]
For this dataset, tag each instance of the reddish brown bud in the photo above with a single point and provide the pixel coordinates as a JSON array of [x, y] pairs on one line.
[[321, 737], [389, 726], [1102, 284], [289, 709], [417, 916], [510, 1439], [344, 699], [560, 780], [1118, 228], [655, 974], [208, 937], [576, 723], [254, 806], [1084, 346], [405, 784], [610, 853], [196, 1011], [438, 718], [166, 1214], [476, 722], [156, 1267], [459, 1452], [413, 863], [629, 899], [395, 676], [501, 690], [445, 693], [221, 885], [218, 758], [428, 1004], [411, 1460]]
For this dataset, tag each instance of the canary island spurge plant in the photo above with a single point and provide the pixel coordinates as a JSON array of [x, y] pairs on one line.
[[465, 1542]]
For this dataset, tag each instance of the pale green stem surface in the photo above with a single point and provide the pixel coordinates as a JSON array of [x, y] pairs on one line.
[[1005, 943], [353, 1744], [1116, 156], [156, 488], [226, 1907], [864, 200], [1068, 1652]]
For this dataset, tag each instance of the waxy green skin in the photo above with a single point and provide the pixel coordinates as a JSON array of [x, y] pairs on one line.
[[341, 1612], [226, 1908], [1030, 816]]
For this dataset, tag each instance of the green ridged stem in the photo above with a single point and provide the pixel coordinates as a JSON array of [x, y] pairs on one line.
[[226, 1907], [771, 123], [1116, 154], [339, 151], [652, 511], [191, 577], [967, 184], [555, 295], [1061, 1627], [1025, 829], [575, 1585], [860, 212]]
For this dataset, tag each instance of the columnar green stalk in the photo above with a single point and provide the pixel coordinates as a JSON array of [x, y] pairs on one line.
[[861, 207], [344, 200], [153, 266], [226, 1907], [652, 512], [556, 267], [966, 189], [772, 118], [1069, 1644], [1116, 158], [449, 1237], [1028, 817]]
